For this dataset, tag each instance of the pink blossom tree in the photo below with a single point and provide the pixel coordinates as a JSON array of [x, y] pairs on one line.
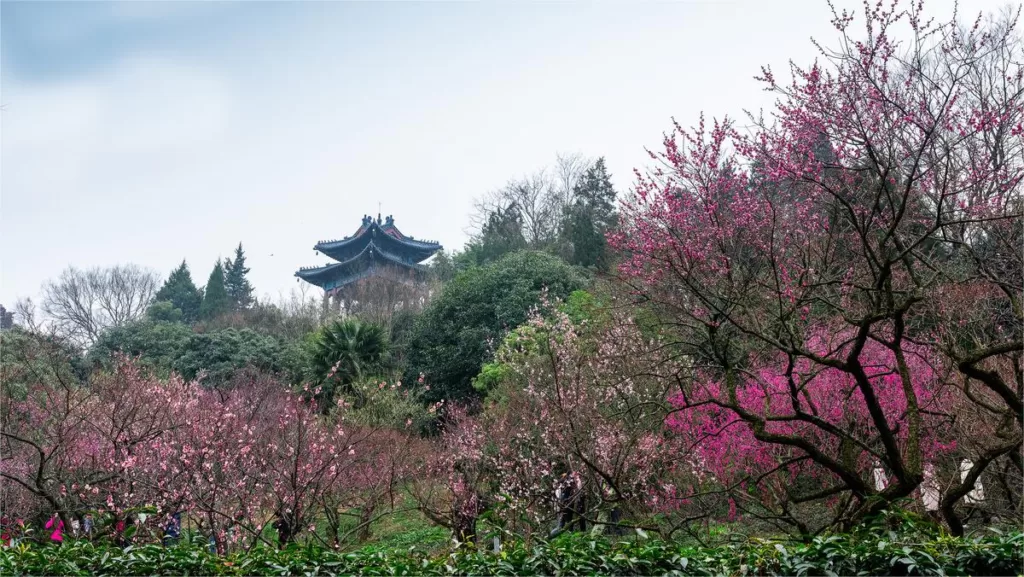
[[74, 447], [812, 257], [229, 460], [455, 482], [574, 402], [586, 399]]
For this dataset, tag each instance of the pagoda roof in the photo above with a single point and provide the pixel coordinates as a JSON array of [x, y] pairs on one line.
[[357, 267], [386, 236]]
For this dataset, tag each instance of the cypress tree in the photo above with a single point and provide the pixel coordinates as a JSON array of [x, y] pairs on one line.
[[237, 286], [215, 300], [591, 216], [181, 292]]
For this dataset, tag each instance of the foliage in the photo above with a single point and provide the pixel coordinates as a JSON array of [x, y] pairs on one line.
[[220, 354], [501, 234], [164, 311], [343, 352], [377, 403], [443, 266], [585, 307], [168, 346], [215, 297], [158, 344], [401, 331], [493, 374], [857, 244], [182, 293], [591, 216], [454, 335], [882, 554], [27, 357], [6, 318], [236, 286]]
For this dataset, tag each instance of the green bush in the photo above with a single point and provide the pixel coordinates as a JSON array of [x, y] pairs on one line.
[[874, 553], [455, 335]]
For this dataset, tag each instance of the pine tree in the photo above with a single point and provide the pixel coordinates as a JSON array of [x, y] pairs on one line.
[[215, 300], [237, 286], [6, 318], [591, 216], [181, 292], [501, 234]]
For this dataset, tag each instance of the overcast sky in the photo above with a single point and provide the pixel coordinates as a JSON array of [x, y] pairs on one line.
[[148, 132]]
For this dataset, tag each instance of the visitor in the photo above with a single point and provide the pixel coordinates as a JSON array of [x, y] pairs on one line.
[[75, 526], [284, 529], [571, 504], [578, 502], [233, 532], [608, 520], [87, 525], [121, 536], [58, 529], [6, 534], [172, 529], [561, 503]]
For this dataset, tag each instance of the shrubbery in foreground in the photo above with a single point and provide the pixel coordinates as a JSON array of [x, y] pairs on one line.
[[883, 553]]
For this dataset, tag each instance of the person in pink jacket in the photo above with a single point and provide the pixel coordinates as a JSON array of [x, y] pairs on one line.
[[58, 527]]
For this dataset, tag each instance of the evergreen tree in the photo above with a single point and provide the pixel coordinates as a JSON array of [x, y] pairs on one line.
[[451, 339], [181, 292], [591, 216], [500, 235], [215, 301], [237, 286], [442, 267]]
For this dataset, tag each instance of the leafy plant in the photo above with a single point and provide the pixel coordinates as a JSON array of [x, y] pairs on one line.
[[458, 331], [992, 554], [343, 352]]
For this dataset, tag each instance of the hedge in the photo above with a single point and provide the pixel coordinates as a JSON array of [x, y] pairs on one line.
[[885, 553]]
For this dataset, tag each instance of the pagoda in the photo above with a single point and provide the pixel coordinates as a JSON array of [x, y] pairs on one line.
[[377, 249]]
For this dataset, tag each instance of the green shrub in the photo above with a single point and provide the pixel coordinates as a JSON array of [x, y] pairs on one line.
[[455, 335], [883, 553]]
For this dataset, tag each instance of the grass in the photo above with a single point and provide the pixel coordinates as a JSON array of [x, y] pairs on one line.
[[407, 527]]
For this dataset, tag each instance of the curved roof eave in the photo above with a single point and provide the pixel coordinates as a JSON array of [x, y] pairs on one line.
[[311, 273], [334, 244]]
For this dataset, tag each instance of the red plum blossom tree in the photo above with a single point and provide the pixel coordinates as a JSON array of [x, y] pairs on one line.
[[847, 270]]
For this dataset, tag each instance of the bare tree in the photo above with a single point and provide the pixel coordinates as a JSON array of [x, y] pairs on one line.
[[25, 311], [569, 169], [378, 299], [80, 304], [532, 195], [540, 198]]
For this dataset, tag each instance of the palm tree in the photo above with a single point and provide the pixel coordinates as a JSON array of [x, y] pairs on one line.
[[342, 353]]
